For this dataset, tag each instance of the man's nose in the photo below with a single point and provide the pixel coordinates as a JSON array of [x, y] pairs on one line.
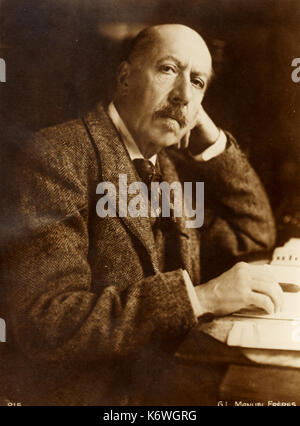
[[182, 91]]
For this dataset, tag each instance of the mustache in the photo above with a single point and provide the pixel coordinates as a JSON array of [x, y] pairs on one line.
[[172, 112]]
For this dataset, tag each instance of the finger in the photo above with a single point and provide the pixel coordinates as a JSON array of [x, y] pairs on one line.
[[262, 301], [262, 272], [271, 289], [185, 140], [263, 277]]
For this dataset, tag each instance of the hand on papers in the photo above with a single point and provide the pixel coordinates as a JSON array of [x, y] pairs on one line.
[[240, 287]]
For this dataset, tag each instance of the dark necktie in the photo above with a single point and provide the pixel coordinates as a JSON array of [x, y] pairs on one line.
[[148, 174], [165, 229], [147, 171]]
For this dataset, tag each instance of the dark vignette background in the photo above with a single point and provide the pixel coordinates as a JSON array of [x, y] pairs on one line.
[[61, 58]]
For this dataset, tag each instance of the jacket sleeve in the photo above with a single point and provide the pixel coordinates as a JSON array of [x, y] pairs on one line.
[[54, 313], [238, 221]]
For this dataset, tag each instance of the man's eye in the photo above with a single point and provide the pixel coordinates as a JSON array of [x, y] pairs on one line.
[[198, 83], [168, 69]]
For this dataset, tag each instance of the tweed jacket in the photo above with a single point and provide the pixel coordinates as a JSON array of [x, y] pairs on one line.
[[89, 313]]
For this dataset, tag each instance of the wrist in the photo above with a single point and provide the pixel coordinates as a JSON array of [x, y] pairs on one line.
[[206, 298], [201, 138]]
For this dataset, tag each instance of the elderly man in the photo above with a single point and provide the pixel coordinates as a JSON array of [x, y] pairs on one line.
[[95, 303]]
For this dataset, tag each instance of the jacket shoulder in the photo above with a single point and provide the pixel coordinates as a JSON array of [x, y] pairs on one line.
[[58, 161], [65, 148], [64, 138]]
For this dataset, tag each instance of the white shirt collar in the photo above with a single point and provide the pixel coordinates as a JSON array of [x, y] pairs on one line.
[[131, 146]]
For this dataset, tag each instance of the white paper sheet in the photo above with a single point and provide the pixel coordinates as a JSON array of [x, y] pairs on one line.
[[265, 335]]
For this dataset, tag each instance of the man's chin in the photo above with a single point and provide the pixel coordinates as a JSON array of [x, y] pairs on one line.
[[167, 141], [167, 138]]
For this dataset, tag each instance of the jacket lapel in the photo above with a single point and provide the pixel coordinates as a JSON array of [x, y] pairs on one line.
[[114, 161]]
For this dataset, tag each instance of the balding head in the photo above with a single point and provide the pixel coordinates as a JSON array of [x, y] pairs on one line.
[[162, 83], [147, 39]]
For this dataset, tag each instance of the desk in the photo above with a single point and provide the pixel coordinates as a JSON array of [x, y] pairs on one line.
[[250, 375]]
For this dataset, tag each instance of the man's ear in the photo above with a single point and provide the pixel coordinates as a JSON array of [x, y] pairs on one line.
[[123, 77]]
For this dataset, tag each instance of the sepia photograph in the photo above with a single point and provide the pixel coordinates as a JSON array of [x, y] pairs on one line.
[[149, 205]]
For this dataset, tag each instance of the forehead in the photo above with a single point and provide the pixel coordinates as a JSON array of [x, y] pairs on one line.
[[183, 44]]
